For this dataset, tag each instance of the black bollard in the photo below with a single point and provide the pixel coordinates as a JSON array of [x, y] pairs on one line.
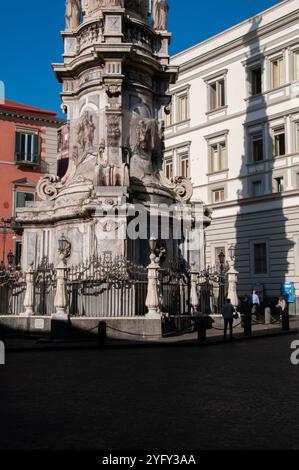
[[102, 333], [201, 329], [285, 320], [247, 325]]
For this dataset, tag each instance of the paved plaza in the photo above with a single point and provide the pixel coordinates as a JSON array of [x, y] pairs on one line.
[[239, 395]]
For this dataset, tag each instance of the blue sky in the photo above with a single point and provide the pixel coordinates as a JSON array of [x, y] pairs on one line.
[[30, 39]]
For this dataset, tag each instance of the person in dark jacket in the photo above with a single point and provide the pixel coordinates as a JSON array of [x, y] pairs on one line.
[[245, 310], [228, 311]]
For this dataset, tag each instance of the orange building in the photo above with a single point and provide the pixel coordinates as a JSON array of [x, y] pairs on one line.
[[28, 149]]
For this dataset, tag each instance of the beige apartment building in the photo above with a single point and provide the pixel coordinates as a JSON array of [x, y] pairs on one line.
[[233, 128]]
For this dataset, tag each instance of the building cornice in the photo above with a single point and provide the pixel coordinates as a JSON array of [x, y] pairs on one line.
[[238, 43], [17, 115]]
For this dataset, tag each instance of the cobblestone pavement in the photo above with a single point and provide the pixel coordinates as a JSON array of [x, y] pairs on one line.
[[241, 395]]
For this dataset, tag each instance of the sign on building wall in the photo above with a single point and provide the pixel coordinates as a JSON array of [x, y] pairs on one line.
[[288, 291]]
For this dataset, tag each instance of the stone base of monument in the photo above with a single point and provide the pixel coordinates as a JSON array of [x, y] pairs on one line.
[[137, 329]]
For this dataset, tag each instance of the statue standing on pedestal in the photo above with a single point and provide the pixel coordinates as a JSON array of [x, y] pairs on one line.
[[160, 12], [72, 14]]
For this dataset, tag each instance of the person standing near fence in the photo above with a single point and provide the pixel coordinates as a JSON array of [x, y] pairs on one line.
[[255, 300], [228, 311]]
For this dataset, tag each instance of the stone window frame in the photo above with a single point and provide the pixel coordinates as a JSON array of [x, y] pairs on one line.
[[183, 155], [294, 52], [252, 243], [250, 132], [28, 187], [217, 139], [221, 185], [270, 59], [168, 159], [255, 180], [174, 153], [174, 107], [274, 131], [250, 66], [210, 80]]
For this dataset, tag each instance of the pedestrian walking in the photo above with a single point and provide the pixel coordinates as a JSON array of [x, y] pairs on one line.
[[228, 312], [255, 301]]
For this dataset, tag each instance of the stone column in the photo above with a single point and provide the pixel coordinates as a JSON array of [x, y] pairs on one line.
[[232, 277], [152, 299], [30, 291], [194, 301], [60, 301]]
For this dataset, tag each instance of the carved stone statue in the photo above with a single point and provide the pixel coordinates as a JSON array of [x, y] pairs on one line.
[[86, 132], [72, 14], [160, 12]]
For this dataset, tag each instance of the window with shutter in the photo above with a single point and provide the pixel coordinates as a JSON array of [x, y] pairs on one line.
[[27, 147]]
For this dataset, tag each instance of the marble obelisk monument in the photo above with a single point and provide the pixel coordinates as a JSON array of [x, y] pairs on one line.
[[115, 76]]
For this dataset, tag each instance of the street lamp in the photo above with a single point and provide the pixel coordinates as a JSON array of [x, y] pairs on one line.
[[221, 257], [10, 259], [232, 252], [153, 244]]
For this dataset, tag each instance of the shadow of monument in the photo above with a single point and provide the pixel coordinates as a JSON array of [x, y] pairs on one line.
[[262, 244]]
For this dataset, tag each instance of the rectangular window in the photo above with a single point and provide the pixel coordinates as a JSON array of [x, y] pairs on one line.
[[279, 183], [277, 72], [257, 188], [184, 166], [217, 94], [260, 258], [22, 198], [218, 195], [256, 81], [218, 157], [257, 141], [26, 147], [169, 168], [168, 117], [182, 103], [296, 65], [297, 136], [279, 142]]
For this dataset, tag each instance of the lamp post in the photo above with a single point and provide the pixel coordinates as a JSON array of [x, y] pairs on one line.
[[11, 259]]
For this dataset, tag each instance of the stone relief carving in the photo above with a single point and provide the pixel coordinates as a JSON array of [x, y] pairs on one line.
[[113, 130], [86, 132], [72, 14], [91, 34], [145, 143], [160, 13], [109, 174]]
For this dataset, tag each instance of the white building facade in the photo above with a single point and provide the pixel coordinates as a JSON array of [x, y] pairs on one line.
[[233, 128]]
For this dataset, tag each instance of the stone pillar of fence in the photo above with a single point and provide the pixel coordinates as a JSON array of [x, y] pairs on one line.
[[30, 292], [194, 299], [152, 299], [61, 300], [232, 279]]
